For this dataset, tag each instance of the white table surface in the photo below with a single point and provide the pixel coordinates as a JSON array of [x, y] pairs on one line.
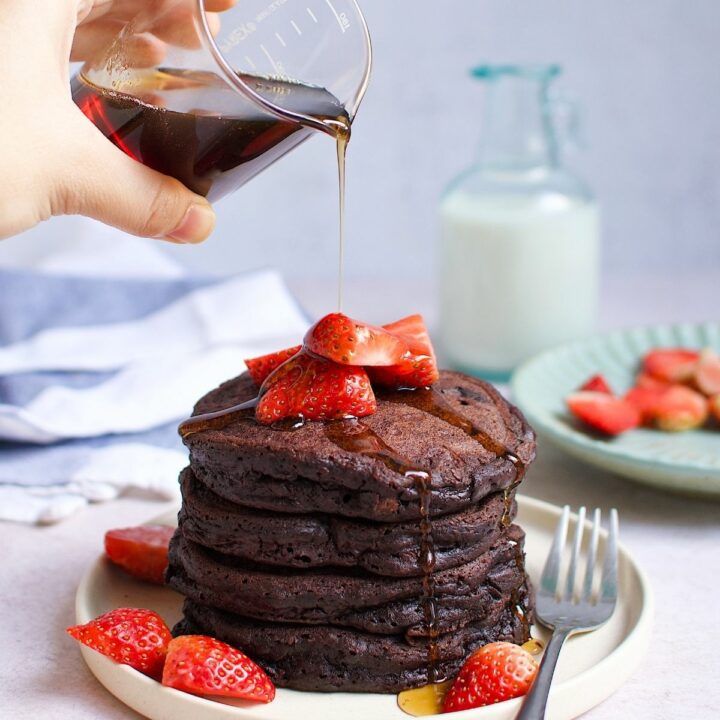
[[676, 540]]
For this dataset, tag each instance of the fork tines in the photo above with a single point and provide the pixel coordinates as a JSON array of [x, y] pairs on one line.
[[567, 591]]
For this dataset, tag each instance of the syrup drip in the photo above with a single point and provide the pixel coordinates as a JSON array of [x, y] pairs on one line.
[[353, 436], [433, 403], [218, 420], [343, 138], [516, 601]]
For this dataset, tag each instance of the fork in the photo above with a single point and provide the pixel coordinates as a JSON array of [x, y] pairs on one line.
[[568, 612]]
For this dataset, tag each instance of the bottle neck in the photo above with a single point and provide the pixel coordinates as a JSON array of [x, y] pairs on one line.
[[518, 132]]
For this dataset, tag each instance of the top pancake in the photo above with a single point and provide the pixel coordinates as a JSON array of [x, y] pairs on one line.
[[468, 439]]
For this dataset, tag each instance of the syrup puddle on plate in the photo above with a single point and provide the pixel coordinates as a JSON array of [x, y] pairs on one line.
[[426, 700]]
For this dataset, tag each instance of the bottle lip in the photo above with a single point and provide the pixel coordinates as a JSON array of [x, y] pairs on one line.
[[532, 71]]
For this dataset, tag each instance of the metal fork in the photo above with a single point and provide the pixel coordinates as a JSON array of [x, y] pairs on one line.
[[568, 611]]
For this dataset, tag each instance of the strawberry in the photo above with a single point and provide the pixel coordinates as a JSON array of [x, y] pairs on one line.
[[707, 373], [338, 338], [140, 551], [311, 388], [644, 380], [260, 367], [603, 412], [497, 672], [413, 331], [646, 398], [679, 408], [674, 365], [597, 383], [130, 636], [204, 666], [419, 367], [714, 403]]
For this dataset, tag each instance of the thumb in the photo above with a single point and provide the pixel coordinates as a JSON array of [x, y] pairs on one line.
[[100, 181]]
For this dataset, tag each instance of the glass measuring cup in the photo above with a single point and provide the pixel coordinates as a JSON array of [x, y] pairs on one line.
[[214, 98]]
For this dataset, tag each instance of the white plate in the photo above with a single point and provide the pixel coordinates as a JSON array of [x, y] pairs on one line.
[[687, 462], [591, 667]]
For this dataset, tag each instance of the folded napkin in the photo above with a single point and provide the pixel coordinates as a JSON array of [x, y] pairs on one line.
[[95, 374]]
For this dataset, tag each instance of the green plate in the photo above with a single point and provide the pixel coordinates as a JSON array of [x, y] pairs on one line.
[[683, 462]]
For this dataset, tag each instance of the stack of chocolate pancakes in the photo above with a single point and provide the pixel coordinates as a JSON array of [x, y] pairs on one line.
[[364, 555]]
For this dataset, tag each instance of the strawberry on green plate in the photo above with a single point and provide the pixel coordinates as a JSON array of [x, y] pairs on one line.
[[685, 460]]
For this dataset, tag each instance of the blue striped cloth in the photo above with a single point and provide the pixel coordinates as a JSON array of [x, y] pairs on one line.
[[96, 373]]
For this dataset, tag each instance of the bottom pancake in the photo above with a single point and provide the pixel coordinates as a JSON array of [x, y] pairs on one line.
[[325, 658]]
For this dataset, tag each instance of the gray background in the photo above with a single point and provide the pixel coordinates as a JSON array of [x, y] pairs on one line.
[[647, 73]]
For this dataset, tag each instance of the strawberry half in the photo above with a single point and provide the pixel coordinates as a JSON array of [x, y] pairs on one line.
[[646, 398], [597, 383], [338, 338], [714, 403], [678, 409], [141, 551], [130, 636], [674, 365], [261, 367], [497, 672], [707, 373], [609, 415], [204, 666], [312, 388], [419, 367]]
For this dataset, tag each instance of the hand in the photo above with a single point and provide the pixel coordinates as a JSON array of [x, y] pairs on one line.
[[54, 161]]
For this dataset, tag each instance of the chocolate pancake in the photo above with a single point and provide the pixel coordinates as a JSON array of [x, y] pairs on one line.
[[325, 658], [356, 599], [315, 540], [462, 433]]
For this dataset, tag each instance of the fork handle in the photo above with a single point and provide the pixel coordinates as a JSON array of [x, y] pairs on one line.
[[533, 708]]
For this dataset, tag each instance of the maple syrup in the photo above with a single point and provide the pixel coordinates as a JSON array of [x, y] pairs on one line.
[[218, 420], [212, 153]]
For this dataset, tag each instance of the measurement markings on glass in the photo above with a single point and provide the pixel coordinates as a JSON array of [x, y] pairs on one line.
[[312, 15], [297, 29], [270, 58], [342, 19]]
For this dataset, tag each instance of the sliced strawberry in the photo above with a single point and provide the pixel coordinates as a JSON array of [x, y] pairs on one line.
[[141, 551], [707, 373], [679, 408], [419, 368], [130, 636], [204, 666], [714, 403], [674, 365], [647, 397], [644, 380], [597, 383], [260, 367], [338, 338], [311, 388], [417, 371], [497, 672], [603, 412], [414, 332]]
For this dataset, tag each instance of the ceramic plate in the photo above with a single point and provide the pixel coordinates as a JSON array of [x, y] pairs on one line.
[[591, 667], [683, 462]]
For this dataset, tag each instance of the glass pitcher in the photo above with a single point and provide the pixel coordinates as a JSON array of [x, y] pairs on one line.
[[214, 98], [520, 244]]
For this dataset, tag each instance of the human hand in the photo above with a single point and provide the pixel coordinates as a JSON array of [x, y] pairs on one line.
[[55, 162]]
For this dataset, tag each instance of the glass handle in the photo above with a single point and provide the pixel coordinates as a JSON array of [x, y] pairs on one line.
[[568, 120]]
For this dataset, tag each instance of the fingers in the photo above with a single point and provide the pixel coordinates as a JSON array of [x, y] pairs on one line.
[[101, 182], [94, 40]]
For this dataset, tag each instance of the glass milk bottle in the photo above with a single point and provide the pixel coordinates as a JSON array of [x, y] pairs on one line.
[[520, 244]]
